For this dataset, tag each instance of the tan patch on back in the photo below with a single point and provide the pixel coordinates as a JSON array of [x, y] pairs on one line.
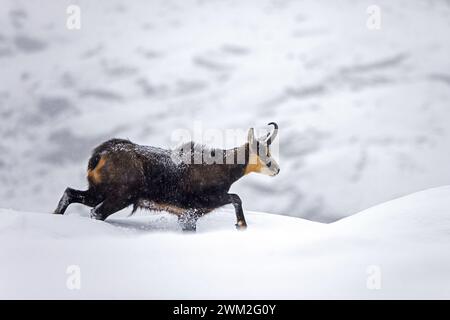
[[94, 175], [254, 164]]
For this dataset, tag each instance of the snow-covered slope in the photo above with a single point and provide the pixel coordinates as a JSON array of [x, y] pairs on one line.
[[362, 112], [403, 243]]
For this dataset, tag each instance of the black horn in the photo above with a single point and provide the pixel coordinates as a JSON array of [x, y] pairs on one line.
[[271, 136]]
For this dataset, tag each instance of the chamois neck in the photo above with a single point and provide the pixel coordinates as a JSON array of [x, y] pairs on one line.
[[239, 160]]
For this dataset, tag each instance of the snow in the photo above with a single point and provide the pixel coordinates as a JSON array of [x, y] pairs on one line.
[[406, 240], [363, 114]]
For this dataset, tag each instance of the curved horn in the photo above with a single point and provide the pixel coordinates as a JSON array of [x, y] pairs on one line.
[[271, 136]]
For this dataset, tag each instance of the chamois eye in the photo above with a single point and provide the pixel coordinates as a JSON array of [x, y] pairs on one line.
[[269, 163]]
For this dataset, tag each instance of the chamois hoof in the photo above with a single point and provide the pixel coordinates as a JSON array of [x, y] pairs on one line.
[[241, 225], [95, 215]]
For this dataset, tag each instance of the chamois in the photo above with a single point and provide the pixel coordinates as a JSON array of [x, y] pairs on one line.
[[122, 173]]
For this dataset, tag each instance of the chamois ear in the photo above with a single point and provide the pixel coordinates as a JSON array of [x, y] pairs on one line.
[[251, 136]]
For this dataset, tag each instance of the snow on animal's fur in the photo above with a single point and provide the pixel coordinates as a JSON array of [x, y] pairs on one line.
[[189, 181]]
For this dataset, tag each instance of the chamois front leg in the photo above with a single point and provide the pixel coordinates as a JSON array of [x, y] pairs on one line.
[[236, 201], [188, 220]]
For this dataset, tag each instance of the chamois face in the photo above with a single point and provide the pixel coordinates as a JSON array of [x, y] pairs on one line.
[[260, 159]]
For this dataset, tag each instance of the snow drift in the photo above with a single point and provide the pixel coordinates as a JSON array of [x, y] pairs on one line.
[[404, 243]]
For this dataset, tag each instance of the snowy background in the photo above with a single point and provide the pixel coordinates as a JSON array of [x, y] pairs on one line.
[[363, 114], [396, 250]]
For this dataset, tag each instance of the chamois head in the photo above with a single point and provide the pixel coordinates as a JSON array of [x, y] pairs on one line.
[[260, 159]]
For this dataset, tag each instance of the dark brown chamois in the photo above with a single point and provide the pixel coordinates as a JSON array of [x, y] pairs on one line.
[[122, 173]]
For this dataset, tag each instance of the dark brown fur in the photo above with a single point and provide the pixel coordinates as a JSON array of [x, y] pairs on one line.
[[121, 173]]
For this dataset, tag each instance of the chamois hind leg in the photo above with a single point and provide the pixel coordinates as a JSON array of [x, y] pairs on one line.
[[111, 205], [188, 220], [89, 198]]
